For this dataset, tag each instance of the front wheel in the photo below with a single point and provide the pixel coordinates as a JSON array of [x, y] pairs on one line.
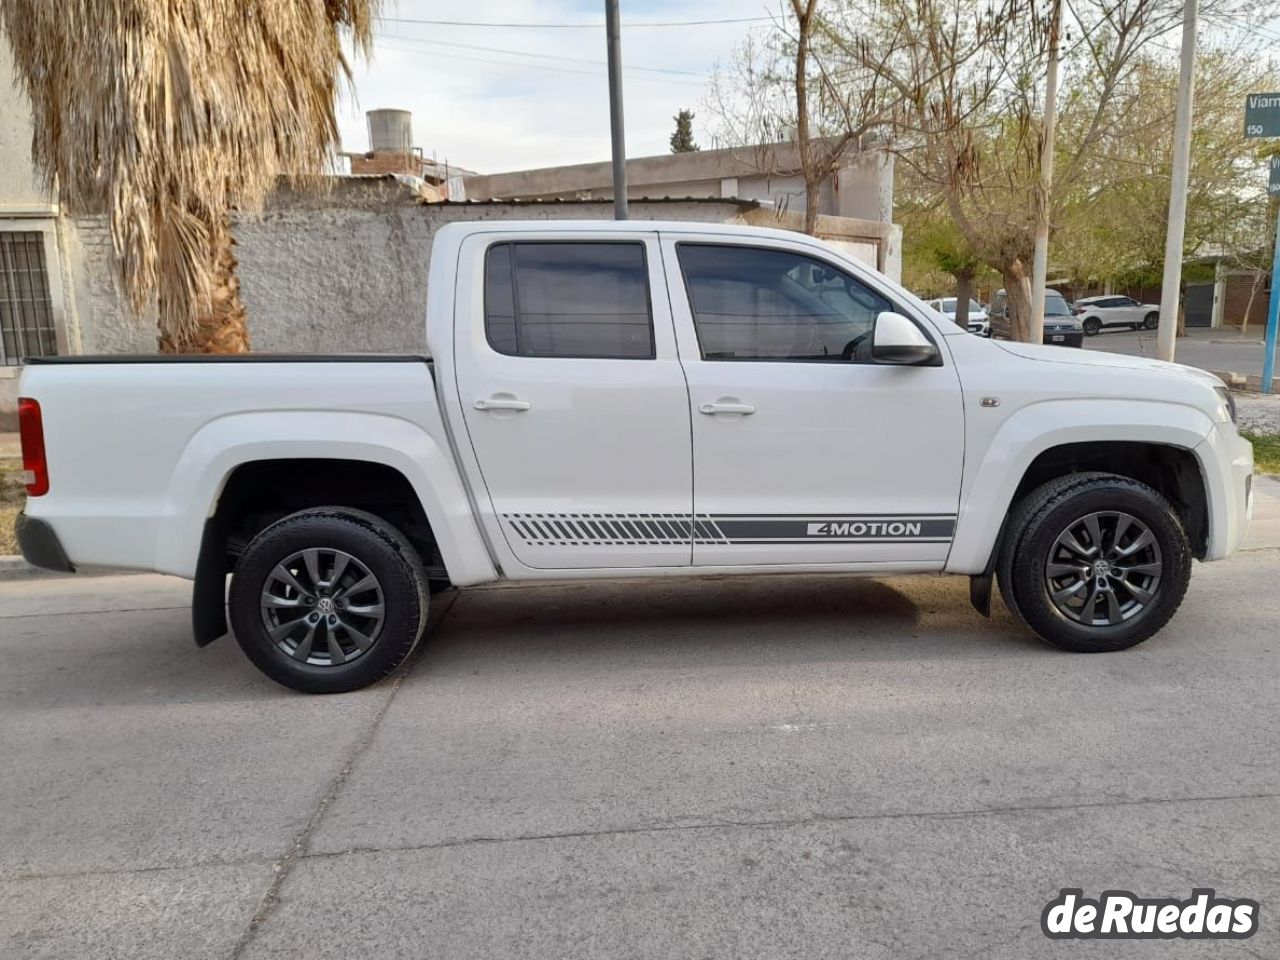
[[1151, 321], [328, 600], [1095, 562], [1092, 327]]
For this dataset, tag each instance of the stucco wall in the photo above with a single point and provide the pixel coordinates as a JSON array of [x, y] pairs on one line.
[[20, 189], [354, 278], [346, 269]]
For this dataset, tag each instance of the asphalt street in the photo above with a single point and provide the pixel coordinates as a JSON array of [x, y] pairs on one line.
[[1220, 350], [739, 768]]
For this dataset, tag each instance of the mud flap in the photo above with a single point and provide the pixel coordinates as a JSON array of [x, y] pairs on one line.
[[209, 594], [980, 592]]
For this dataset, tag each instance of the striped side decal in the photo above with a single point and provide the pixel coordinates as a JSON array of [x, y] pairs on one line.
[[600, 529], [667, 529]]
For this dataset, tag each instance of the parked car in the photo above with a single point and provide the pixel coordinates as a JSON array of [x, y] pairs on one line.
[[1098, 313], [978, 323], [632, 398], [1061, 325]]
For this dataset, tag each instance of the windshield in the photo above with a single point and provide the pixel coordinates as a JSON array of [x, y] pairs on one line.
[[1056, 306]]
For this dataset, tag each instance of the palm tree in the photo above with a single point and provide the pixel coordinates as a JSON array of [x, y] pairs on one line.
[[167, 115]]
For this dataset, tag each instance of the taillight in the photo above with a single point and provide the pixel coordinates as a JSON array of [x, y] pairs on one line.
[[31, 429]]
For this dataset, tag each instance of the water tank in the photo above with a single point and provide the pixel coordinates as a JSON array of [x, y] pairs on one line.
[[390, 131]]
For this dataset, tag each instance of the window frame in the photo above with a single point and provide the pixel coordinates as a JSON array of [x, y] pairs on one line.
[[51, 329], [894, 305], [515, 295]]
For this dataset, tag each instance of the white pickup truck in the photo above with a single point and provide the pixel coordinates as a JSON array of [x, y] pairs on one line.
[[633, 399]]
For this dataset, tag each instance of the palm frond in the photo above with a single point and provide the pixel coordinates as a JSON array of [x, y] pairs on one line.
[[168, 114]]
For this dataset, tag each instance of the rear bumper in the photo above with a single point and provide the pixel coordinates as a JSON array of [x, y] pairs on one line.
[[40, 546]]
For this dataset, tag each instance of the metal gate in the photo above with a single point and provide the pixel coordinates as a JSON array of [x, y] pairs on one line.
[[1199, 305]]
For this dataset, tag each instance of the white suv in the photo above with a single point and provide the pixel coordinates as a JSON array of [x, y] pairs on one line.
[[1098, 312], [978, 324]]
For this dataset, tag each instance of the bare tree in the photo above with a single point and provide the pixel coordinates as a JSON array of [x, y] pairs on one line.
[[955, 85]]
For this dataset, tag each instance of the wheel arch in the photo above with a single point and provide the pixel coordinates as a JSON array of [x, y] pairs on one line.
[[266, 446], [1136, 439]]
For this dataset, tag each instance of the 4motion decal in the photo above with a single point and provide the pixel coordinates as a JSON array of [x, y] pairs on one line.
[[609, 529]]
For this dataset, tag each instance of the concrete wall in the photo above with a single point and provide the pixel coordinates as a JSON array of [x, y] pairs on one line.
[[20, 188], [355, 277], [346, 269], [25, 206]]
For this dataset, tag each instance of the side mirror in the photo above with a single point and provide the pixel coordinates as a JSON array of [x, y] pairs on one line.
[[896, 340]]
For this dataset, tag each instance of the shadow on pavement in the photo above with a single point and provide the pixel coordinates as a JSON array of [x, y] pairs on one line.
[[793, 618]]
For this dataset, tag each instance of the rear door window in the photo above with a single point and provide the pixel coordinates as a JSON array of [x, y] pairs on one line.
[[568, 300]]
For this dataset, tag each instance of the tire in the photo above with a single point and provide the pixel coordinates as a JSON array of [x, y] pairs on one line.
[[1151, 321], [1152, 554], [1076, 340], [368, 617], [1092, 326]]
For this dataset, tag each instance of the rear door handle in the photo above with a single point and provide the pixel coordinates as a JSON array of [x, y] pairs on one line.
[[502, 403], [727, 406]]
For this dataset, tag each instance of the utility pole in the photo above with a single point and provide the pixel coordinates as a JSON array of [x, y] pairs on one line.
[[1040, 263], [615, 110], [1170, 289], [1273, 316]]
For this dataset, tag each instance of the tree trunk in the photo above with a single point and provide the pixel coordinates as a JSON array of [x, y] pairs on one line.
[[1248, 307], [223, 328], [1017, 311], [964, 284]]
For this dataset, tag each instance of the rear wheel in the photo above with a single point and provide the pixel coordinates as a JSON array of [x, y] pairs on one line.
[[1094, 562], [1092, 327], [328, 600]]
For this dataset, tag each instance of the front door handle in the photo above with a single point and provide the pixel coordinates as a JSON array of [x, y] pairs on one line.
[[727, 406], [502, 403]]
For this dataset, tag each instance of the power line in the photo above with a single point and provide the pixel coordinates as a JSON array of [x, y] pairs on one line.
[[574, 26], [539, 56], [533, 66]]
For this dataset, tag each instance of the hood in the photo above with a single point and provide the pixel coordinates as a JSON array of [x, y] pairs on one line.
[[1097, 358]]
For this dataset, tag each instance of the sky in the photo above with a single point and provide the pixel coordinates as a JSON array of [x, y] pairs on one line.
[[540, 97]]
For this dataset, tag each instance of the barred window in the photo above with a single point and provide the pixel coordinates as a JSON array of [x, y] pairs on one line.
[[26, 312]]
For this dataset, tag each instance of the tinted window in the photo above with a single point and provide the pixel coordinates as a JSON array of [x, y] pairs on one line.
[[568, 300], [949, 306], [755, 304]]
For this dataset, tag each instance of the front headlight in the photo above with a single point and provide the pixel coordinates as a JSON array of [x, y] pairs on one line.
[[1228, 401]]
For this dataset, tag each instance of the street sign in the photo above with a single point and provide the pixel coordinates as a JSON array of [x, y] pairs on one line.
[[1273, 182], [1262, 115]]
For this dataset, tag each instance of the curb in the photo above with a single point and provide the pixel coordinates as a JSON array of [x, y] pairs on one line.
[[13, 567], [1239, 382]]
